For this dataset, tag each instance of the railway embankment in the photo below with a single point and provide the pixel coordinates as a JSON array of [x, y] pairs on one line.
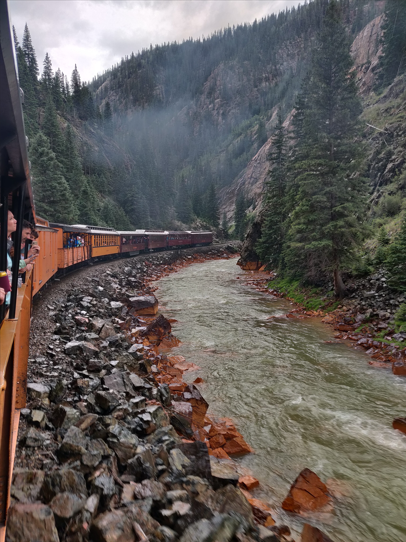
[[112, 444]]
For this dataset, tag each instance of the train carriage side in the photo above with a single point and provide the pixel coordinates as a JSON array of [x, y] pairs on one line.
[[132, 242], [46, 264], [157, 240], [104, 241], [201, 238], [178, 239], [74, 244]]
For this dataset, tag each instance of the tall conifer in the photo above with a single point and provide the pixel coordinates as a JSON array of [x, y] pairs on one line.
[[393, 59], [327, 220]]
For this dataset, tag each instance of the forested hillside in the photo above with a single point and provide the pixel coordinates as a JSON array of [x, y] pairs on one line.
[[155, 140]]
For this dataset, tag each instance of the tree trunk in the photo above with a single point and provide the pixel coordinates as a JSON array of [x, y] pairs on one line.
[[339, 287]]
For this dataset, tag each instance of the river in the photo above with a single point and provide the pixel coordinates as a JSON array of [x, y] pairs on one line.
[[298, 401]]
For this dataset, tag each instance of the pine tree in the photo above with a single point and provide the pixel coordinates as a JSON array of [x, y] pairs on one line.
[[224, 226], [327, 222], [51, 129], [396, 260], [29, 55], [212, 209], [240, 220], [71, 162], [393, 60], [47, 78], [87, 204], [108, 119], [184, 204], [76, 89], [53, 197], [29, 86], [58, 90], [16, 42], [270, 246]]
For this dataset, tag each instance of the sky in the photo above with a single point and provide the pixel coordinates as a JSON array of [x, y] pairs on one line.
[[96, 34]]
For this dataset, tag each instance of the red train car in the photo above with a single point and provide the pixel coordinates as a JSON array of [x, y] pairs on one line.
[[132, 242], [179, 239], [201, 237], [156, 239]]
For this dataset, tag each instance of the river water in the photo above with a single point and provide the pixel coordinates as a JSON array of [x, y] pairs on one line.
[[298, 401]]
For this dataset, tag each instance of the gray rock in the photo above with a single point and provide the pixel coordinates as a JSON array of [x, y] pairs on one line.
[[33, 438], [26, 484], [136, 351], [223, 472], [68, 480], [149, 489], [123, 442], [38, 391], [89, 349], [178, 461], [73, 445], [142, 465], [38, 418], [96, 324], [106, 401], [116, 304], [221, 528], [72, 348], [107, 331], [63, 417], [115, 382]]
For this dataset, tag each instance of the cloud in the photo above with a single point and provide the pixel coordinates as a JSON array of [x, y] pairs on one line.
[[96, 34]]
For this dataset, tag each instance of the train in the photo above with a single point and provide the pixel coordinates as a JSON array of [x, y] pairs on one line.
[[63, 247]]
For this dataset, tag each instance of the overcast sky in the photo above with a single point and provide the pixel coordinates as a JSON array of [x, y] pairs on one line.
[[95, 34]]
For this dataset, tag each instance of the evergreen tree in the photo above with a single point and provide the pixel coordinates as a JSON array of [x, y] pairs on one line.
[[29, 55], [47, 78], [224, 226], [393, 60], [28, 84], [58, 91], [53, 197], [16, 42], [108, 119], [76, 88], [262, 136], [396, 260], [87, 204], [327, 222], [240, 219], [52, 130], [382, 249], [70, 160], [184, 204], [212, 209], [270, 246]]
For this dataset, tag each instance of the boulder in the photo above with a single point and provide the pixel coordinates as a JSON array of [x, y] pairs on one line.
[[33, 521], [237, 446], [26, 484], [146, 305], [198, 455], [106, 401], [248, 482], [63, 417], [221, 528], [112, 526], [399, 368], [123, 442], [38, 418], [65, 480], [115, 382], [312, 534], [107, 331], [74, 444], [157, 330], [307, 494], [33, 438], [72, 348], [193, 396], [96, 324], [65, 505], [38, 391], [400, 424], [142, 465]]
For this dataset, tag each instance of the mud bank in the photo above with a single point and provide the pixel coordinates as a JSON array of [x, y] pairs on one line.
[[112, 444]]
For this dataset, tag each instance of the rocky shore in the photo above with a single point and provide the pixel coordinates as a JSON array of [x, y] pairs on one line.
[[113, 445]]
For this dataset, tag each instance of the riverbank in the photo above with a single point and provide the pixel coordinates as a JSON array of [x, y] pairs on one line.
[[110, 447]]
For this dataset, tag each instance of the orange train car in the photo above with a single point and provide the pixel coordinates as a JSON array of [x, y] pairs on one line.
[[46, 264], [104, 241], [73, 244]]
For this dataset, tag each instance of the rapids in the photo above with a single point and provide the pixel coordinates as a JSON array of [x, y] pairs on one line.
[[298, 401]]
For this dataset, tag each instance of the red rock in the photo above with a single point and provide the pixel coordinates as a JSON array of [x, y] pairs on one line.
[[261, 510], [248, 482], [198, 381], [193, 396], [219, 453], [399, 368], [400, 424], [146, 305], [237, 446], [307, 493], [312, 534], [217, 442], [344, 327]]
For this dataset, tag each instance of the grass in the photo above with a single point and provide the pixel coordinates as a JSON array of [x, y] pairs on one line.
[[312, 299]]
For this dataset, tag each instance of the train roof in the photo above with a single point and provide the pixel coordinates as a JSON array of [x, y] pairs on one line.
[[133, 232], [156, 232], [68, 228], [95, 228]]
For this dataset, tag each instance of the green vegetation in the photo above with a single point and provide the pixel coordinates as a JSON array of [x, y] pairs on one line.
[[400, 318], [312, 299]]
